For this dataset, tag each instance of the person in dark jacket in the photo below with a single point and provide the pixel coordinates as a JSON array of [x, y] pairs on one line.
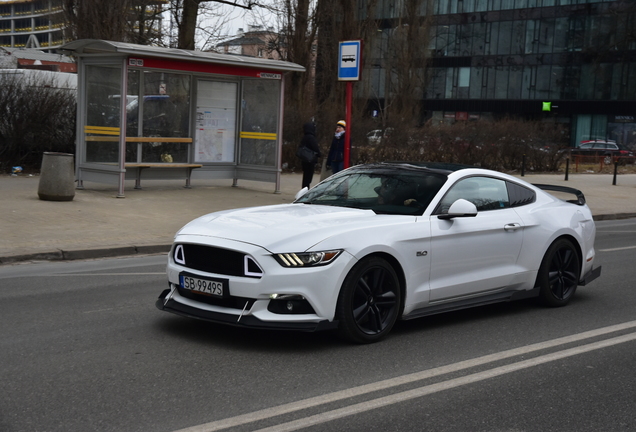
[[309, 140], [335, 159]]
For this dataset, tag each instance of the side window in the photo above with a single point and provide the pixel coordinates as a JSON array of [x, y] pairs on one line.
[[485, 192], [520, 195]]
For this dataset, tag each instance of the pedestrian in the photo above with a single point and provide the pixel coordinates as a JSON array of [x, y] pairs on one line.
[[335, 159], [309, 141]]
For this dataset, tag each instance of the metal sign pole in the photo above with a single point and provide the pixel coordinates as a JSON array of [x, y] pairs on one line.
[[349, 66], [347, 148]]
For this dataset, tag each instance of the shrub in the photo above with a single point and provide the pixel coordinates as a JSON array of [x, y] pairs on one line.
[[500, 145], [34, 118]]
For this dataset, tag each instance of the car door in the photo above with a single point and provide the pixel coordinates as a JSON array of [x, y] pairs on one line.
[[475, 255], [599, 149]]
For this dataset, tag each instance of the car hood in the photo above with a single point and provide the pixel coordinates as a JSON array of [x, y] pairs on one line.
[[285, 227]]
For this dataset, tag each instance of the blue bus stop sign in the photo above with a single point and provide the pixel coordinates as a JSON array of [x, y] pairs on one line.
[[349, 61]]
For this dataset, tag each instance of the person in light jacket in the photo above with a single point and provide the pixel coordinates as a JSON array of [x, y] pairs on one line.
[[335, 159]]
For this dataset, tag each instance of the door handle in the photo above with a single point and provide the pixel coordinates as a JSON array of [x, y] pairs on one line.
[[512, 227]]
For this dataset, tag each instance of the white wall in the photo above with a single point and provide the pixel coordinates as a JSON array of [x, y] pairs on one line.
[[61, 80]]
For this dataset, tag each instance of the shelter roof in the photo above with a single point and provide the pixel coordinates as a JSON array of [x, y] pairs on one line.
[[93, 47]]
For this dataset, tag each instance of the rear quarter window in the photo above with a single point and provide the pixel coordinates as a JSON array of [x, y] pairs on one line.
[[520, 195]]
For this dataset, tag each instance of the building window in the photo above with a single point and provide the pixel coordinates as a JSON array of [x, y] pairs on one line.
[[501, 82], [515, 79], [589, 127], [505, 37], [477, 82], [464, 77]]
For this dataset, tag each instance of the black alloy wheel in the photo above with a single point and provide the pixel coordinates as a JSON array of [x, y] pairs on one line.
[[369, 302], [559, 273]]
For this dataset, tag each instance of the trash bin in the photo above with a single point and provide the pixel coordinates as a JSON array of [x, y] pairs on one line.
[[57, 177]]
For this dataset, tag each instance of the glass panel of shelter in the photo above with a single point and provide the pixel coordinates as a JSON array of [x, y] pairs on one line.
[[102, 126], [163, 111], [215, 124], [258, 126]]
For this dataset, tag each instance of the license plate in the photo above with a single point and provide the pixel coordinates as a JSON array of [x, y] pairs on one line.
[[209, 286]]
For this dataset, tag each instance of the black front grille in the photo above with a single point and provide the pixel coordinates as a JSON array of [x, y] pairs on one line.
[[210, 259]]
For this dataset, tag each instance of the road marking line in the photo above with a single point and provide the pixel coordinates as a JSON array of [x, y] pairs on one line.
[[107, 274], [434, 388], [397, 381], [617, 249], [113, 308]]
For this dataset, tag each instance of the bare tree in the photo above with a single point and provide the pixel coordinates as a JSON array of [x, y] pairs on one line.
[[336, 22], [136, 21], [294, 40], [145, 22], [404, 60], [140, 21], [185, 14], [95, 19], [213, 20]]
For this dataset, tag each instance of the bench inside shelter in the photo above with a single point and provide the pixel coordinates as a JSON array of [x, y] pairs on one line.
[[151, 170], [160, 170]]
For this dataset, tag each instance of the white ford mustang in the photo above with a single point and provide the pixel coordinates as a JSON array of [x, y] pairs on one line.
[[377, 243]]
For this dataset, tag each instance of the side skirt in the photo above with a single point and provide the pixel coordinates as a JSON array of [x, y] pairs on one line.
[[472, 302]]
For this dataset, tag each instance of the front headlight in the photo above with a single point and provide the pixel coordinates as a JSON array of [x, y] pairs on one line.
[[306, 259]]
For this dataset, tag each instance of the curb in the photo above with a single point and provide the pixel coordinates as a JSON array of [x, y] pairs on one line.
[[84, 254], [614, 216]]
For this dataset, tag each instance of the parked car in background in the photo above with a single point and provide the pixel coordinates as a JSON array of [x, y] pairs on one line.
[[375, 136], [608, 150]]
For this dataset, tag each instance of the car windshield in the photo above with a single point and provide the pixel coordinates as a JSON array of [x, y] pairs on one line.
[[388, 191]]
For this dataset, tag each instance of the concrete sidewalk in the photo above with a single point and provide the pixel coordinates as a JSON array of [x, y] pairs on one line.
[[96, 224]]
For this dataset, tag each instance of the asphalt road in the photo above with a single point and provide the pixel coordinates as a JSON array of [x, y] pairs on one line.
[[82, 347]]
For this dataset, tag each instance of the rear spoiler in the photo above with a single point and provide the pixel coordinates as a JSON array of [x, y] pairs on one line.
[[580, 198]]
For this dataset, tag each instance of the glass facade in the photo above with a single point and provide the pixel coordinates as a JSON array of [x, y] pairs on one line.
[[523, 53], [504, 57]]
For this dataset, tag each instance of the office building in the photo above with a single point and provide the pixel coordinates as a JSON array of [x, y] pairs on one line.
[[31, 24], [570, 61]]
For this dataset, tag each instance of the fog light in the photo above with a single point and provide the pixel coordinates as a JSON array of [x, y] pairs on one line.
[[290, 304]]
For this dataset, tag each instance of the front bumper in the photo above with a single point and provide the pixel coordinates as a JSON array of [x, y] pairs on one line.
[[590, 276], [165, 303]]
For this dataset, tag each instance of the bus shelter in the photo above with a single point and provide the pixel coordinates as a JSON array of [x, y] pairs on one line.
[[162, 113]]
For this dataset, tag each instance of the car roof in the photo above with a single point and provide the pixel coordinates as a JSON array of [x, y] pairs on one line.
[[435, 167]]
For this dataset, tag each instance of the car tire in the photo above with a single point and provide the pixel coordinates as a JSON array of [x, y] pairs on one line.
[[607, 160], [369, 302], [559, 274]]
